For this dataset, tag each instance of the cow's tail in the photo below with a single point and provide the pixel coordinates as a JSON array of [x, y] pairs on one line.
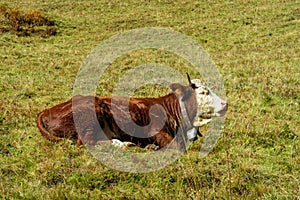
[[43, 130]]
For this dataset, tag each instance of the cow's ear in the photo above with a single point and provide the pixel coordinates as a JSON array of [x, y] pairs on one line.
[[176, 87], [182, 91]]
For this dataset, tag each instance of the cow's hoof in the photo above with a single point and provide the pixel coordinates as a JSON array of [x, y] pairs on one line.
[[117, 143], [129, 144], [152, 147], [123, 145]]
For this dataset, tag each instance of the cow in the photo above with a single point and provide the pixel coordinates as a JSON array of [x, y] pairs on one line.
[[167, 121]]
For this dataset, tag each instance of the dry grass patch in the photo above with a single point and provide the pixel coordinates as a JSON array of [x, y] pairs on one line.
[[26, 24]]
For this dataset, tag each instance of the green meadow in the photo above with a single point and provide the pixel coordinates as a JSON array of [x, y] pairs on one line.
[[255, 46]]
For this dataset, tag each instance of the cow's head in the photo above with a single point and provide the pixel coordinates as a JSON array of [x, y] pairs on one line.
[[209, 105]]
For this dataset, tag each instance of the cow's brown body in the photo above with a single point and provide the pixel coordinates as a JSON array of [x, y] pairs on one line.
[[89, 113]]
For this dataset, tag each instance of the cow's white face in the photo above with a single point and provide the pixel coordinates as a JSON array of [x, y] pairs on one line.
[[209, 104]]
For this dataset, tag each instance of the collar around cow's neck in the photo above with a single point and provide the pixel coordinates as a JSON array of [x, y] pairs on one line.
[[191, 130], [184, 113]]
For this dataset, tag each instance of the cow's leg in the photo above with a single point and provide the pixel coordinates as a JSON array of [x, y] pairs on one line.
[[116, 143], [129, 144], [121, 144], [152, 147], [79, 142], [163, 139]]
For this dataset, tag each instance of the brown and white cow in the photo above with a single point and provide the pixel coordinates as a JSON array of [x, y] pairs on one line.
[[167, 121]]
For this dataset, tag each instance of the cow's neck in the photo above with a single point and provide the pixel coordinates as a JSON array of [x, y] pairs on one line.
[[191, 130], [182, 110]]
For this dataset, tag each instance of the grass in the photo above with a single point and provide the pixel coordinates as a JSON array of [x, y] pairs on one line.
[[255, 45]]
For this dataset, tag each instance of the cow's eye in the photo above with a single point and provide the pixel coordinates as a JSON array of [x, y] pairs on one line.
[[204, 92]]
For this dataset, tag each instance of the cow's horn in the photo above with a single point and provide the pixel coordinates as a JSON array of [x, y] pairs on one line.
[[189, 78], [190, 82]]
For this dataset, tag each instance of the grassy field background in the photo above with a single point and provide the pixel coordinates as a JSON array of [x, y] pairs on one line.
[[256, 47]]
